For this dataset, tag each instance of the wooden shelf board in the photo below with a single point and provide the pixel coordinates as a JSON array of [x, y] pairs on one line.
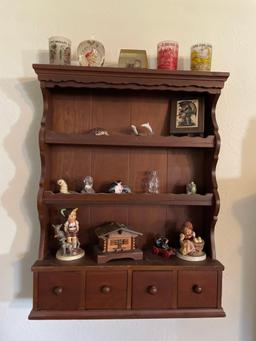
[[128, 199], [149, 262], [124, 314], [130, 140]]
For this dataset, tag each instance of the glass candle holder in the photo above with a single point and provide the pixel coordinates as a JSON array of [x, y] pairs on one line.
[[167, 55], [201, 57]]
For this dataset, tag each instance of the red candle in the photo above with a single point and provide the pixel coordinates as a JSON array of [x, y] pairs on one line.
[[167, 55]]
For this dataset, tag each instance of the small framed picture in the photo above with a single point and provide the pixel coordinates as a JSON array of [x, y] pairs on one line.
[[133, 59], [187, 115]]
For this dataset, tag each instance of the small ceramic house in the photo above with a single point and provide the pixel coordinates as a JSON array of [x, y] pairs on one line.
[[117, 241]]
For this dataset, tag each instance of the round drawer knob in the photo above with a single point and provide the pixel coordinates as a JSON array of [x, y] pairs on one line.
[[197, 289], [57, 291], [105, 289], [152, 290]]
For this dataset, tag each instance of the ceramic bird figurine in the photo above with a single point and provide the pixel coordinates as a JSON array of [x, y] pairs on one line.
[[191, 188], [142, 130]]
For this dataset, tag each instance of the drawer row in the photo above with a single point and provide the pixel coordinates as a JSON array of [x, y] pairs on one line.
[[101, 289]]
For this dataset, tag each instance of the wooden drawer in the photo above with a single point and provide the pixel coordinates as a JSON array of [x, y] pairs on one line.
[[197, 289], [106, 290], [60, 291], [154, 290]]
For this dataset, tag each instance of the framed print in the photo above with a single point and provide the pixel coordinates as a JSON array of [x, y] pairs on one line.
[[187, 115], [133, 59]]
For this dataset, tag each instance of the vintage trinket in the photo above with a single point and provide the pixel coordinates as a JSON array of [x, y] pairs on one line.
[[118, 188], [144, 129], [152, 182], [63, 186], [99, 132], [191, 188], [116, 241], [88, 185], [67, 235], [191, 248], [161, 247]]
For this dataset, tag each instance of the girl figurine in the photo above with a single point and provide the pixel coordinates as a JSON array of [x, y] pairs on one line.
[[191, 248]]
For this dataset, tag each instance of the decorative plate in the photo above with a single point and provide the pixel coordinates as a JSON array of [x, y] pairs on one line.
[[91, 53]]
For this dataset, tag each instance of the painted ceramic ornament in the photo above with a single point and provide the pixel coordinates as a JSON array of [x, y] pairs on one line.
[[59, 50], [118, 188], [67, 235], [191, 188], [91, 53], [191, 247], [88, 185], [64, 187], [99, 132], [144, 129], [161, 247], [116, 241]]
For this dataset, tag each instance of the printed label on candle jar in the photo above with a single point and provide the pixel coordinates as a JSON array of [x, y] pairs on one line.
[[167, 55]]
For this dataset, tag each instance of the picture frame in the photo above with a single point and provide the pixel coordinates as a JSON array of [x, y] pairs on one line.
[[187, 115], [133, 59]]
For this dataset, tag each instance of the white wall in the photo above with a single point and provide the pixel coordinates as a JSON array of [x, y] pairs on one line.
[[24, 30]]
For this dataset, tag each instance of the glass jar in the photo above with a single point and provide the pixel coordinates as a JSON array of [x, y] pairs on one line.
[[201, 57], [152, 183], [167, 55]]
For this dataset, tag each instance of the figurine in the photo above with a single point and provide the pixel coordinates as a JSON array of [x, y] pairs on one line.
[[191, 188], [70, 245], [63, 186], [88, 185], [161, 247], [99, 132], [118, 188], [116, 241], [191, 248], [142, 130], [152, 183]]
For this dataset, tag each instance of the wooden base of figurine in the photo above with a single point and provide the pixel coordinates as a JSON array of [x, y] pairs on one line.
[[102, 257], [67, 257], [191, 258]]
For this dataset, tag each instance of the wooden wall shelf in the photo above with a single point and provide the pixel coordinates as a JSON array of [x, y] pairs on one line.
[[130, 141], [78, 99], [128, 199]]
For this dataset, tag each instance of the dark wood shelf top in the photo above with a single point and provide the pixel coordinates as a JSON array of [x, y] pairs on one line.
[[125, 78], [52, 137], [129, 199], [150, 262]]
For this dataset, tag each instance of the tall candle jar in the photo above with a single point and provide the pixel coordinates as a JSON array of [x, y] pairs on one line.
[[59, 50], [167, 55], [201, 57]]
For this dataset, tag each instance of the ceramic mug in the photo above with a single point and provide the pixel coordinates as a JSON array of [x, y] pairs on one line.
[[59, 50]]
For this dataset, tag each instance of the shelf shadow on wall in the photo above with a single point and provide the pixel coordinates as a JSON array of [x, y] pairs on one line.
[[19, 200], [245, 212]]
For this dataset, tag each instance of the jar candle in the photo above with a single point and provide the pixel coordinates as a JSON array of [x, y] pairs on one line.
[[201, 57], [167, 55]]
